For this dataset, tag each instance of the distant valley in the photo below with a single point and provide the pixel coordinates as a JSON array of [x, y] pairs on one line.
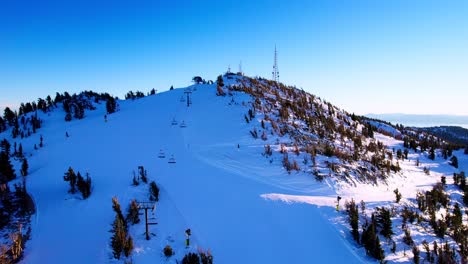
[[423, 120]]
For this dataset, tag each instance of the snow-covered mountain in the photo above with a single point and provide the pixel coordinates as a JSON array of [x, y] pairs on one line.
[[253, 168]]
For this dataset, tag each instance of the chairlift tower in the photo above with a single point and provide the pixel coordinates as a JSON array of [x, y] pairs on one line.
[[188, 92], [275, 68], [145, 206]]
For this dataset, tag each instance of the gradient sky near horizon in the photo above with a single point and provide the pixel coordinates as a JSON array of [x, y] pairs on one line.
[[392, 56]]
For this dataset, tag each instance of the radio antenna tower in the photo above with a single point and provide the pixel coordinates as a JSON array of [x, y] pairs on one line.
[[275, 67]]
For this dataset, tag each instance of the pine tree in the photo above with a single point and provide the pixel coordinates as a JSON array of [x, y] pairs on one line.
[[24, 167], [154, 192], [20, 150], [133, 215], [454, 161], [353, 213], [70, 177], [415, 254], [7, 173], [431, 154], [397, 195], [121, 241], [220, 81], [384, 221], [191, 258], [111, 105], [9, 116], [407, 239]]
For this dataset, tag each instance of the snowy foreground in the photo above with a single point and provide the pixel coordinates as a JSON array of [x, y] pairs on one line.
[[237, 204]]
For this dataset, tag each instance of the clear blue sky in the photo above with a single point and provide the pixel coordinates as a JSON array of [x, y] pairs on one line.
[[364, 56]]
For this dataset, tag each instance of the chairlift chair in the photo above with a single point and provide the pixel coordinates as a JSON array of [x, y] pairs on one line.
[[171, 159], [174, 122], [182, 99], [161, 154], [183, 125]]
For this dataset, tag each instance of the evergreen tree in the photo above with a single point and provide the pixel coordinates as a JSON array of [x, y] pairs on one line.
[[220, 81], [397, 195], [7, 173], [371, 241], [407, 239], [71, 177], [24, 167], [2, 125], [353, 213], [154, 192], [191, 258], [111, 105], [454, 161], [79, 111], [121, 241], [415, 254], [9, 116], [5, 146], [431, 154], [68, 117], [384, 221], [84, 185], [133, 215], [20, 150]]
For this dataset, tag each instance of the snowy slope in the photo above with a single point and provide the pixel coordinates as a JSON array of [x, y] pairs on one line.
[[215, 188], [241, 205]]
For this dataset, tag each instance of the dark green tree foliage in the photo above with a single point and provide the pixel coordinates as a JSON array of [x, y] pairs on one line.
[[407, 239], [466, 150], [220, 81], [191, 258], [143, 174], [5, 146], [415, 254], [454, 161], [431, 154], [206, 258], [384, 222], [79, 111], [68, 117], [353, 214], [7, 173], [132, 215], [446, 255], [371, 241], [24, 167], [154, 192], [70, 177], [9, 116], [111, 105], [84, 185], [397, 195], [121, 241], [20, 150], [197, 79]]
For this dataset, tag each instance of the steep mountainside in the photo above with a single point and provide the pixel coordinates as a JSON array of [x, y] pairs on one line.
[[254, 169]]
